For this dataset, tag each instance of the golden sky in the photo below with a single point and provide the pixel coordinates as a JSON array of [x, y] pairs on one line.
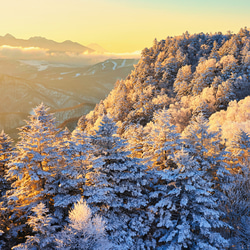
[[120, 25]]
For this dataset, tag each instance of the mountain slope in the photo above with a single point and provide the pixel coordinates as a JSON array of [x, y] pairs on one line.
[[70, 92], [187, 75]]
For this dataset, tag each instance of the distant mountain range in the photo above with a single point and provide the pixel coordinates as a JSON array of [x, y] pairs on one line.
[[69, 77], [52, 46], [70, 91]]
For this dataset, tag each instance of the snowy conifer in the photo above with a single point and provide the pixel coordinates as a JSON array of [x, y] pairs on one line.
[[41, 223], [205, 146], [117, 193], [83, 231], [5, 154], [75, 164], [162, 140], [237, 202], [189, 214], [33, 166]]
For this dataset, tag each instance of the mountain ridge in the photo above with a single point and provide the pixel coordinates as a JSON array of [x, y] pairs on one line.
[[44, 43]]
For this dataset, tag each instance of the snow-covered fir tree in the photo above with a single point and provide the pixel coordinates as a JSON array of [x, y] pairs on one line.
[[117, 192], [5, 154], [74, 166], [205, 146], [161, 142], [5, 185], [33, 168], [42, 225], [237, 202], [189, 214]]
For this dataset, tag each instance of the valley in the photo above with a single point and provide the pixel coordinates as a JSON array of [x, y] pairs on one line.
[[69, 90]]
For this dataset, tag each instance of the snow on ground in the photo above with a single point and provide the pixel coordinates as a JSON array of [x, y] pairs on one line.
[[65, 73], [103, 66], [115, 65], [123, 64], [40, 65]]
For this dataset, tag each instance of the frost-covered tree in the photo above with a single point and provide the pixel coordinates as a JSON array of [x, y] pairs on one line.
[[84, 231], [189, 214], [162, 141], [74, 166], [206, 147], [134, 135], [5, 154], [42, 224], [117, 191], [239, 151], [182, 84], [204, 75], [33, 167], [237, 202]]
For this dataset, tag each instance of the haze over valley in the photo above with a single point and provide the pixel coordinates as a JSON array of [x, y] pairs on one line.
[[68, 77]]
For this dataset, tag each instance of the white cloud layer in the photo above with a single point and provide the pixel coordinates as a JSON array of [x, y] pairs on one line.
[[35, 53]]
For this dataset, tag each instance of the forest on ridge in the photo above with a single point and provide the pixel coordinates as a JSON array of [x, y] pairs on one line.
[[161, 163]]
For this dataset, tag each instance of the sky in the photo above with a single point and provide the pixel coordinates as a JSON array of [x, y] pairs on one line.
[[120, 26]]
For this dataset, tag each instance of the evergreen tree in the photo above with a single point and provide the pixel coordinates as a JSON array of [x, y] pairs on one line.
[[206, 148], [162, 141], [42, 224], [189, 214], [237, 202], [117, 190], [182, 82], [134, 136], [83, 231], [204, 75], [33, 167], [75, 150], [5, 154]]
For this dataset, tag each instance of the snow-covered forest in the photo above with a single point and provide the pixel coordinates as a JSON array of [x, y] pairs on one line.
[[161, 163]]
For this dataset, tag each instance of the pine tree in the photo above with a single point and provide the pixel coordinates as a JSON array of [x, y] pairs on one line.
[[5, 154], [206, 147], [204, 75], [75, 150], [116, 193], [189, 214], [42, 224], [237, 202], [33, 167], [134, 136], [182, 82], [161, 142]]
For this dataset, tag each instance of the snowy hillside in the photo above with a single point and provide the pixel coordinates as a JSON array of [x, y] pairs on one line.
[[161, 163]]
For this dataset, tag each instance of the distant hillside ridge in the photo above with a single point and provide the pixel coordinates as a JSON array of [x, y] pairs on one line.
[[186, 74]]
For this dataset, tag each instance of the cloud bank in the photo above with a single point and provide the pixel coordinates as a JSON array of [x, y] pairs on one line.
[[35, 53]]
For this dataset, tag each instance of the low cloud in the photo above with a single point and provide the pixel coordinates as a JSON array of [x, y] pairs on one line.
[[19, 52], [35, 53]]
